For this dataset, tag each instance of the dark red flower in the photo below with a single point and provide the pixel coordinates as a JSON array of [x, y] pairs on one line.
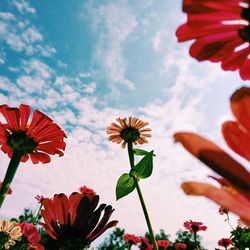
[[222, 211], [221, 32], [179, 246], [224, 242], [163, 244], [36, 139], [194, 227], [131, 239], [146, 244], [75, 220], [87, 191], [9, 190]]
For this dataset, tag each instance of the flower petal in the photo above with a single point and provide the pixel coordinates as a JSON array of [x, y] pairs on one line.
[[237, 138], [215, 158], [235, 203]]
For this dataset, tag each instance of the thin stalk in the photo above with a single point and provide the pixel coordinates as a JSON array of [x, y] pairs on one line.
[[13, 165], [38, 213], [150, 229]]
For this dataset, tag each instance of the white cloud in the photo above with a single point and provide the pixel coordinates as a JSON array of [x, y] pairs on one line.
[[61, 64], [109, 51], [37, 68], [158, 39], [7, 16], [31, 35], [23, 6], [90, 88]]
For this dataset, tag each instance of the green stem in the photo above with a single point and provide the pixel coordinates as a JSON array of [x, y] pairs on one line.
[[228, 221], [38, 213], [195, 239], [13, 165], [150, 229]]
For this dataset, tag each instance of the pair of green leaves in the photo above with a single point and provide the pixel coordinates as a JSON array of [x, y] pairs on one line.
[[142, 170]]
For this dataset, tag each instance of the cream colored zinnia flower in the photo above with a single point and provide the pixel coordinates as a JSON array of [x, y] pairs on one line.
[[10, 232], [131, 129]]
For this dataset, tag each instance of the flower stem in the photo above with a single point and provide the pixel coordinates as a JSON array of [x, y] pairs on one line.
[[150, 229], [13, 165]]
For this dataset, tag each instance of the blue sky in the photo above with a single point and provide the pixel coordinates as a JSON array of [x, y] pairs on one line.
[[84, 63]]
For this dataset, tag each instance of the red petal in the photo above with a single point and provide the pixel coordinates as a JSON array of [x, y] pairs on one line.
[[205, 47], [24, 116], [244, 70], [240, 106], [215, 158], [61, 208], [237, 138], [38, 156], [12, 116]]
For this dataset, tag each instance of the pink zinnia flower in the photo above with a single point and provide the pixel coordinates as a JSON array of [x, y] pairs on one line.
[[37, 139], [194, 227], [39, 198], [221, 33], [32, 235]]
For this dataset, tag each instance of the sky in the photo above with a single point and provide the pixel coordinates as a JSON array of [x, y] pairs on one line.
[[85, 63]]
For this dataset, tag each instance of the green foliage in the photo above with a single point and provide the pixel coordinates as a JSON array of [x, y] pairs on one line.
[[114, 241], [124, 186], [187, 238], [144, 167], [28, 216], [241, 238], [138, 151]]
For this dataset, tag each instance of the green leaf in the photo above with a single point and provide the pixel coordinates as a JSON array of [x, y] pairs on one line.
[[138, 151], [145, 166], [124, 186]]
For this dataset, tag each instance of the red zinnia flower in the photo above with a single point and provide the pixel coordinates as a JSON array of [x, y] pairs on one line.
[[194, 226], [163, 244], [74, 221], [36, 139], [179, 246], [224, 242], [131, 239], [87, 191], [221, 31]]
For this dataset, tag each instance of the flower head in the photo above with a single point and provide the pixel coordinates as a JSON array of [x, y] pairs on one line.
[[37, 139], [145, 244], [87, 192], [194, 227], [163, 244], [221, 30], [179, 246], [224, 242], [222, 211], [75, 220], [128, 130], [131, 239], [39, 198], [10, 232]]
